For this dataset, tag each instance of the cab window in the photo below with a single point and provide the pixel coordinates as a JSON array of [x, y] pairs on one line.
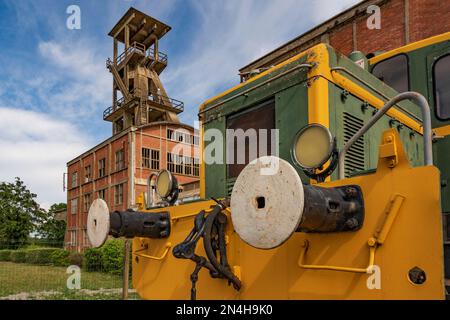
[[393, 72], [249, 122], [441, 72]]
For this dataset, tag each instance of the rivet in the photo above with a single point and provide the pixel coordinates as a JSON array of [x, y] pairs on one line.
[[371, 242]]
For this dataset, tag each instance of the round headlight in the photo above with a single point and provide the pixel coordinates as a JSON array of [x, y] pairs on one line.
[[313, 146], [164, 183]]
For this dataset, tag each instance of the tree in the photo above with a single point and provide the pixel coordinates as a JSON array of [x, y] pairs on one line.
[[52, 229], [19, 213]]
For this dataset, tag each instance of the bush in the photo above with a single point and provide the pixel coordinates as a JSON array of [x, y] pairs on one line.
[[108, 258], [112, 256], [93, 259], [60, 258], [18, 256], [5, 255], [42, 256], [76, 259]]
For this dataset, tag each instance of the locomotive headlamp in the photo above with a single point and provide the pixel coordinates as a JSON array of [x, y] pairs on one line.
[[164, 183], [167, 186], [313, 146]]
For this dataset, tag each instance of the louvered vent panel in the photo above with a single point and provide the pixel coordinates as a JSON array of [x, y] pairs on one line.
[[355, 157], [230, 185]]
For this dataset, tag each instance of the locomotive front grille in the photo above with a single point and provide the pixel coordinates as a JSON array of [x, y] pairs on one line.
[[355, 157]]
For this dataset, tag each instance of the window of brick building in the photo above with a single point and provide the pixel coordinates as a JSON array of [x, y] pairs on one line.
[[170, 162], [74, 206], [118, 194], [195, 140], [154, 164], [120, 160], [196, 168], [73, 237], [86, 242], [74, 179], [441, 70], [87, 174], [178, 163], [86, 202], [182, 137], [183, 165], [102, 194], [101, 168], [187, 166], [150, 158], [170, 134]]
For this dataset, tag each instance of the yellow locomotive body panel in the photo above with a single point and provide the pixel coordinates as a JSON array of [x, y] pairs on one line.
[[402, 204]]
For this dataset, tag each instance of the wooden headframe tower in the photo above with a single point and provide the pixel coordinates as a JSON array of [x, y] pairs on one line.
[[138, 95]]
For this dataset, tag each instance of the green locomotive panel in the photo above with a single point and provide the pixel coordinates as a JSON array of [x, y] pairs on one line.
[[286, 91]]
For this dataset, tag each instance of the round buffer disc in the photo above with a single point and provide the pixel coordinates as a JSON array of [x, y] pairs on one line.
[[267, 202], [98, 221]]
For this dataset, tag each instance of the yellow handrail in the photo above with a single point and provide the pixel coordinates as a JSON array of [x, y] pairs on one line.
[[379, 238], [143, 255], [336, 268]]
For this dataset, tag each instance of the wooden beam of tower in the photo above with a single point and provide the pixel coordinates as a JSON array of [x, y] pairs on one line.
[[169, 115], [123, 26], [158, 84], [119, 82], [150, 34], [140, 30]]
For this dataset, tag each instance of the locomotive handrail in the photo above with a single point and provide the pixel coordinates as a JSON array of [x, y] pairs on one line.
[[164, 254], [378, 239], [301, 261], [426, 119]]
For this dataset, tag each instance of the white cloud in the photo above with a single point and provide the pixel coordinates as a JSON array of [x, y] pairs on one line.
[[78, 83], [323, 10], [36, 148], [68, 79]]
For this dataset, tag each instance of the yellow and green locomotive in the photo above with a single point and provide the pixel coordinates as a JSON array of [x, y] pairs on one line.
[[339, 192]]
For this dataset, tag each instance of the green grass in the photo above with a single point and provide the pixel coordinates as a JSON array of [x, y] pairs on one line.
[[25, 281]]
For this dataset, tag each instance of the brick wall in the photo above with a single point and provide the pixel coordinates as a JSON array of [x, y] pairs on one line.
[[392, 32], [426, 18], [153, 137], [342, 38]]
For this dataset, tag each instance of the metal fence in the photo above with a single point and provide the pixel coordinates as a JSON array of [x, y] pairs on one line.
[[46, 271]]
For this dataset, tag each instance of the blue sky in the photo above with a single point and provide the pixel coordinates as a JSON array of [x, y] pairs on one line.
[[54, 85]]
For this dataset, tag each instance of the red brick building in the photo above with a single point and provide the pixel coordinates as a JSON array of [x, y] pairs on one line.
[[117, 169], [402, 22], [147, 135]]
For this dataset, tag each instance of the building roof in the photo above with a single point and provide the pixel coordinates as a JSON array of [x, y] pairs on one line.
[[141, 25]]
